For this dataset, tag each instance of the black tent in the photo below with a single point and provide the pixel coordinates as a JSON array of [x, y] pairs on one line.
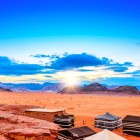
[[64, 121], [75, 133], [108, 121], [131, 125]]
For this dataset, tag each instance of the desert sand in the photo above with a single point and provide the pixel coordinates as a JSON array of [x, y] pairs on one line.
[[84, 107]]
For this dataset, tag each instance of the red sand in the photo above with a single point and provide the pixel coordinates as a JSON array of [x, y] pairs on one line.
[[84, 107]]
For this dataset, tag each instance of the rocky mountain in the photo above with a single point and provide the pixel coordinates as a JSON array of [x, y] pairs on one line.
[[110, 87], [59, 87], [5, 90], [71, 89], [128, 89], [26, 87], [52, 87], [19, 89], [94, 87]]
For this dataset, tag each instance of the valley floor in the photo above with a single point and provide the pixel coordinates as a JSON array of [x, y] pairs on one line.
[[84, 107]]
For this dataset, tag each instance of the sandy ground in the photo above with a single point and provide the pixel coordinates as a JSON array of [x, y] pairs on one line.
[[84, 107]]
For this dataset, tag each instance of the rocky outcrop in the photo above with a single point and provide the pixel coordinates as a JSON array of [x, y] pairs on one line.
[[31, 134], [20, 89], [3, 138], [19, 127], [71, 89], [56, 87], [5, 90], [127, 89], [28, 87], [94, 87], [16, 109]]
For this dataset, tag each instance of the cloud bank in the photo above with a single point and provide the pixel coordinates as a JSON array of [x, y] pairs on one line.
[[87, 67]]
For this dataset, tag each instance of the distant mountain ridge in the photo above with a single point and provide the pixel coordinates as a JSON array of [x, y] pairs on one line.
[[96, 87], [53, 87], [5, 90], [129, 89], [59, 87], [26, 87], [93, 87]]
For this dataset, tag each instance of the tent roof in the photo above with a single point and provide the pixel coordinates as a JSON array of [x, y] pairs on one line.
[[105, 135], [79, 131], [132, 118], [107, 116]]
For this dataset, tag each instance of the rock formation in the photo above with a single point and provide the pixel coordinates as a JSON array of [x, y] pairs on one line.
[[94, 87], [2, 138], [19, 127], [5, 90], [16, 109], [127, 89], [71, 89], [56, 87]]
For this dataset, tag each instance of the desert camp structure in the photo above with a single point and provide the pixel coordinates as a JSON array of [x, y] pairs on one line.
[[44, 114], [57, 116], [65, 121], [75, 133], [108, 121], [105, 135], [131, 125]]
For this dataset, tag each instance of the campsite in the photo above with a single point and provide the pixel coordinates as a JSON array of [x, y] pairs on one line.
[[70, 64], [84, 107]]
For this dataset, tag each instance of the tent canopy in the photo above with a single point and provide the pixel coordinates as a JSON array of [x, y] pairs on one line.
[[78, 132], [107, 116], [105, 135], [131, 125], [132, 118]]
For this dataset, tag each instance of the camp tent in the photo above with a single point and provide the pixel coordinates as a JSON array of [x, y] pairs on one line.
[[75, 133], [65, 121], [105, 135], [108, 121], [131, 125]]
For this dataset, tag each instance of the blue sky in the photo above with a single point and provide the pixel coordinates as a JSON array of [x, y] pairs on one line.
[[91, 40]]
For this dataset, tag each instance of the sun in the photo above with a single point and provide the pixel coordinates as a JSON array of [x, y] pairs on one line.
[[70, 78], [70, 81]]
